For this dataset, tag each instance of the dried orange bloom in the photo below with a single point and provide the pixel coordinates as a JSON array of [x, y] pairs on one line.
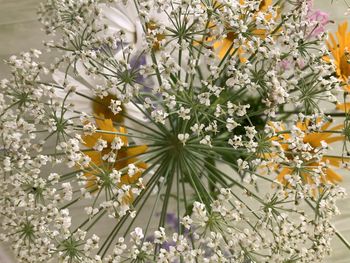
[[314, 139], [340, 49], [124, 155], [223, 45], [101, 107], [157, 37]]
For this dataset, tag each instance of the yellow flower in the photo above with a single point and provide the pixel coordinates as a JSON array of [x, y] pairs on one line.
[[157, 38], [340, 50], [125, 156], [101, 107], [223, 45], [325, 134]]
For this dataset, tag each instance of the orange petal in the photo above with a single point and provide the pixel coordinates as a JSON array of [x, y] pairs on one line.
[[335, 139], [106, 125], [343, 106], [123, 138], [282, 174], [90, 140], [133, 151], [95, 157], [126, 179], [333, 176]]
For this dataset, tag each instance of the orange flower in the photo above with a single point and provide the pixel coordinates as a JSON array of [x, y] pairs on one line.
[[124, 156], [101, 107], [157, 38], [223, 45], [340, 50], [325, 134]]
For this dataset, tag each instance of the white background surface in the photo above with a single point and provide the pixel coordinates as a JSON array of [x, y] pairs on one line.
[[20, 31]]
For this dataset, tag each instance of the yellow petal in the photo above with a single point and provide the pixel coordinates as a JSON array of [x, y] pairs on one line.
[[335, 139], [90, 140], [95, 157], [343, 106], [106, 125], [282, 174], [332, 176], [123, 138], [136, 150]]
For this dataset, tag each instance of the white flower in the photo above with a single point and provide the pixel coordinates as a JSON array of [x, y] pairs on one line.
[[137, 234], [231, 124], [115, 176], [159, 235], [206, 140], [123, 20], [82, 98], [132, 169], [186, 222], [67, 190], [100, 145], [184, 113], [117, 143], [242, 165], [115, 106], [197, 128], [90, 211], [159, 115], [183, 137]]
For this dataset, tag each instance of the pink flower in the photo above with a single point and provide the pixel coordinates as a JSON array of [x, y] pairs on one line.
[[318, 19], [285, 64], [322, 20]]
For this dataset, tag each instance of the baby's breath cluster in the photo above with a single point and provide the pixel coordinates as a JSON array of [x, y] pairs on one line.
[[173, 131]]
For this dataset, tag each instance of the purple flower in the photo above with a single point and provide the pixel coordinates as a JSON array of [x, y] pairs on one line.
[[172, 225], [136, 62], [172, 221]]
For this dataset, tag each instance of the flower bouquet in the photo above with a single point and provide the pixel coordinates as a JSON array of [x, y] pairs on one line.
[[176, 131]]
